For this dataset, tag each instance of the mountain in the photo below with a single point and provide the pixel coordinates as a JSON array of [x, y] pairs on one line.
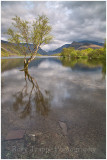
[[78, 46], [40, 51], [58, 50], [86, 44], [92, 42], [10, 48]]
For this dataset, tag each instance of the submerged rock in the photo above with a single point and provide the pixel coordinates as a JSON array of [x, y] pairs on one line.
[[15, 134]]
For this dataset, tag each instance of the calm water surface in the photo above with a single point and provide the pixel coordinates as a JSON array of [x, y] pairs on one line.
[[50, 92]]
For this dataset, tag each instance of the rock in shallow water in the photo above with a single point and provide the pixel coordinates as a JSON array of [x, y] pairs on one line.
[[15, 134]]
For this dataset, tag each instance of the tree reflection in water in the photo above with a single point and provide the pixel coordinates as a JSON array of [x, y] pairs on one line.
[[25, 100]]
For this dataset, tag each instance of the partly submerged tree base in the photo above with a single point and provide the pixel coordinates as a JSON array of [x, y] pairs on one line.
[[25, 67], [26, 63]]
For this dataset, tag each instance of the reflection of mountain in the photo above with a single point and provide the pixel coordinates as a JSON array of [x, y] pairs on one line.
[[26, 100], [7, 64], [84, 68], [38, 61], [85, 65], [76, 65]]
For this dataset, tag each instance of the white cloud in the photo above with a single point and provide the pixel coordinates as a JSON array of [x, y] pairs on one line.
[[70, 20]]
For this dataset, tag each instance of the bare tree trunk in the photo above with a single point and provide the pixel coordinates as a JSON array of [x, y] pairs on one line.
[[26, 62]]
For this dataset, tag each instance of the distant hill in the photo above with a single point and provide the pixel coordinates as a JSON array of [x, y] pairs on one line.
[[10, 49], [58, 50], [86, 44], [92, 42], [78, 46]]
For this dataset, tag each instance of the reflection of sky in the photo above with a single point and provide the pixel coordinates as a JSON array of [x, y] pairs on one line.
[[62, 82]]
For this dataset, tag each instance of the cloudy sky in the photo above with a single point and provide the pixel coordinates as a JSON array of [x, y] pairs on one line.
[[70, 20]]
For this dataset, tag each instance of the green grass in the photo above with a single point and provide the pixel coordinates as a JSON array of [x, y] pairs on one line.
[[11, 50]]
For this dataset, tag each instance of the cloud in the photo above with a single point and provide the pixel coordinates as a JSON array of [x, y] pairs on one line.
[[70, 20]]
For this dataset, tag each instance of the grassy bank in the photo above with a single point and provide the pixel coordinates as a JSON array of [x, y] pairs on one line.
[[8, 53], [9, 49]]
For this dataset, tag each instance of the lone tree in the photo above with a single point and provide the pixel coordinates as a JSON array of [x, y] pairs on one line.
[[24, 33]]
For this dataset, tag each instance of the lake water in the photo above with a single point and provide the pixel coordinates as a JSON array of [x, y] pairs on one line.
[[52, 92]]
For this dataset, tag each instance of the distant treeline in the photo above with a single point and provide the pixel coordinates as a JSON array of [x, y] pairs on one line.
[[86, 53]]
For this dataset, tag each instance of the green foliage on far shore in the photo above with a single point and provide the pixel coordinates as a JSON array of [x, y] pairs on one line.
[[70, 57], [86, 53]]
